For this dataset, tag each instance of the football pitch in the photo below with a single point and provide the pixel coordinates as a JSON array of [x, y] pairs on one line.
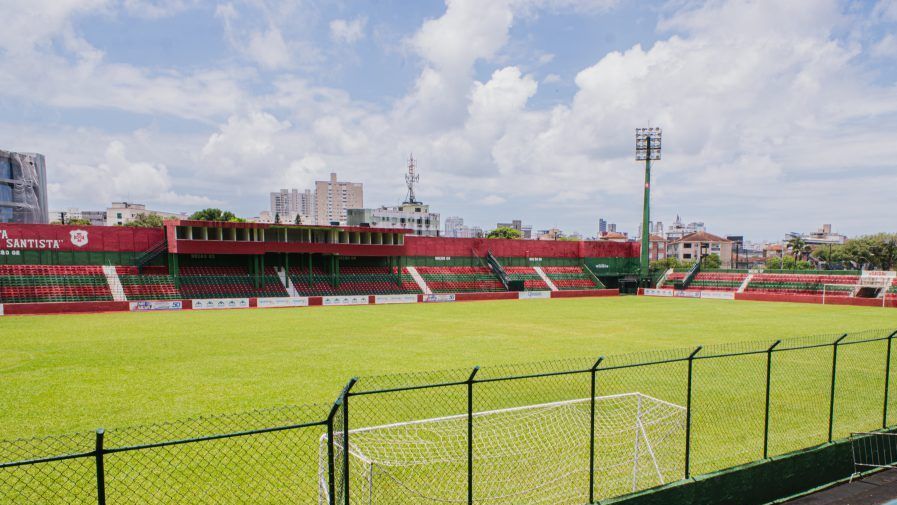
[[78, 372]]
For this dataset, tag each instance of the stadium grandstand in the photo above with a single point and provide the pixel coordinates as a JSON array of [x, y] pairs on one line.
[[53, 268], [90, 268]]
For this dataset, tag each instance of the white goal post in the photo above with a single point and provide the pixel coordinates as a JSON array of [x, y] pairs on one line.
[[830, 291], [534, 454]]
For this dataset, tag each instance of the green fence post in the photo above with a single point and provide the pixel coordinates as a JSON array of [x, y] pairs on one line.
[[766, 412], [470, 435], [592, 433], [101, 472], [345, 396], [831, 406], [691, 361], [884, 416]]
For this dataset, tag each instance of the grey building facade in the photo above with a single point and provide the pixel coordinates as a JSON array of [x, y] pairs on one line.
[[23, 188]]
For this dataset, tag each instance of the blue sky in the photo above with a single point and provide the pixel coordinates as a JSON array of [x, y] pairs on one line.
[[778, 115]]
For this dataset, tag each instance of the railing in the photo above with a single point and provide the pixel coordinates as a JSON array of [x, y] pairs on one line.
[[150, 254], [498, 270], [684, 283], [565, 432]]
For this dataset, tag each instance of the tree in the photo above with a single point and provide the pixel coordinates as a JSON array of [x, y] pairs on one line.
[[666, 263], [214, 215], [798, 247], [711, 262], [298, 218], [505, 232], [877, 251], [277, 218], [146, 221]]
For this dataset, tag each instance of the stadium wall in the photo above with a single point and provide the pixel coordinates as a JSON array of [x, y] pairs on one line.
[[767, 481], [33, 244]]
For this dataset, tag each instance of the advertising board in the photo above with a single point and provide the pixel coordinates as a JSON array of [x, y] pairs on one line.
[[282, 301], [221, 303], [151, 305]]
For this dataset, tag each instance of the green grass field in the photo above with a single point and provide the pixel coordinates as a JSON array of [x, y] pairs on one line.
[[78, 372]]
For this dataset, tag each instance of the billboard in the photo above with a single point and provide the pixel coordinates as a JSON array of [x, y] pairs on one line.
[[438, 298], [221, 303], [152, 305], [282, 301], [388, 299], [345, 300]]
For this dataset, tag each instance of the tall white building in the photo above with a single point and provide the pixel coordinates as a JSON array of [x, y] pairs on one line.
[[334, 198], [287, 204]]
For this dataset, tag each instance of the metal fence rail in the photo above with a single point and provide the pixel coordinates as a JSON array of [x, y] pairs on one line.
[[571, 431]]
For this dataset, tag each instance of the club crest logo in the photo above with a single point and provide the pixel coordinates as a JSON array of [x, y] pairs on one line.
[[79, 238]]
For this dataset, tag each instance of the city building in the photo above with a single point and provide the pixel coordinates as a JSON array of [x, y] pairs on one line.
[[552, 234], [657, 249], [698, 244], [122, 213], [334, 198], [602, 226], [288, 204], [823, 236], [409, 216], [23, 188], [96, 217], [613, 236], [679, 229], [412, 215], [526, 231], [455, 228]]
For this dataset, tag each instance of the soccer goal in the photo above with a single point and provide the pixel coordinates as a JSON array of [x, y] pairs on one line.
[[535, 454], [868, 287]]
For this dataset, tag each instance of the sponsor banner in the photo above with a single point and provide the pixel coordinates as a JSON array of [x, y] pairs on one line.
[[387, 299], [282, 301], [346, 300], [221, 303], [889, 274], [686, 294], [658, 292], [718, 295], [149, 305], [533, 295], [439, 298]]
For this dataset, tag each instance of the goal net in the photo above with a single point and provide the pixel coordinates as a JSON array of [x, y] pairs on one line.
[[536, 454]]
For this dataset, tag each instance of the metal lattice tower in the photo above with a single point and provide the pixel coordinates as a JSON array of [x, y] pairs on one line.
[[411, 178]]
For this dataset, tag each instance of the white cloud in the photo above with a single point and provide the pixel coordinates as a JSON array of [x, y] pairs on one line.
[[155, 9], [492, 200], [269, 49], [886, 47], [347, 32], [551, 79], [120, 179]]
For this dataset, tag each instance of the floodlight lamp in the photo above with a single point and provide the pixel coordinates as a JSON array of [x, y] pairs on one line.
[[647, 143]]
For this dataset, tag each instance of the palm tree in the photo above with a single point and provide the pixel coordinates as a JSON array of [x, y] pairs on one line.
[[798, 247]]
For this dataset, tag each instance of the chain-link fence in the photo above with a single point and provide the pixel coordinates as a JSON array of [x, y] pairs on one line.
[[563, 432]]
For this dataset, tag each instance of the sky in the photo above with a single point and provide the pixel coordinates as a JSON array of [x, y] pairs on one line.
[[778, 115]]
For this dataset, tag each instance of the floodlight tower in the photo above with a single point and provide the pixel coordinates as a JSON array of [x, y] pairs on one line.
[[647, 148]]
